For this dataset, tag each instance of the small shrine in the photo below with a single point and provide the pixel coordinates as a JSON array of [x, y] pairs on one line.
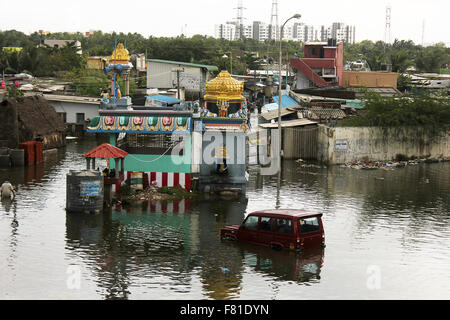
[[119, 67], [224, 118], [225, 106]]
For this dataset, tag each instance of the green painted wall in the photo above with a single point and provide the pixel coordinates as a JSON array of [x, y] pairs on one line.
[[157, 163]]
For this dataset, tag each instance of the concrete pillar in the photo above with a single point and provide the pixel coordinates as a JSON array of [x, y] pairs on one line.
[[117, 168]]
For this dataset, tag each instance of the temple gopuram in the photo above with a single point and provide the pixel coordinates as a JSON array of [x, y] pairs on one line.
[[224, 120]]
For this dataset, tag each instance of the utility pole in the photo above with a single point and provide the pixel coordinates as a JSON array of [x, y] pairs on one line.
[[178, 70], [423, 32]]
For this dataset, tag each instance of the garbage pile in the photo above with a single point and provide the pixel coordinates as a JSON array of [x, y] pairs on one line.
[[303, 164], [387, 165], [157, 194]]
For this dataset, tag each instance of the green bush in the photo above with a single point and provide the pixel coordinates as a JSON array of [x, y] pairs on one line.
[[431, 112], [88, 82]]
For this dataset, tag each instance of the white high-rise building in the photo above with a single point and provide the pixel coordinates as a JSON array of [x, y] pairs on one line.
[[303, 32], [225, 31], [338, 31], [297, 31], [247, 31], [260, 31]]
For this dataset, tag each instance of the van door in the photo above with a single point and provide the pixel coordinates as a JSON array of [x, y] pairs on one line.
[[310, 231], [266, 229], [284, 233], [248, 231]]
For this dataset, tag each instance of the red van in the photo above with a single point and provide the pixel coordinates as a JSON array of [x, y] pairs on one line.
[[291, 229]]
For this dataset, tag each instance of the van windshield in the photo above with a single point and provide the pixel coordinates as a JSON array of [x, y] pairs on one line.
[[309, 225]]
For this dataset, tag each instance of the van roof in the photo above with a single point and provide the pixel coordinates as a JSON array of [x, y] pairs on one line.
[[299, 213]]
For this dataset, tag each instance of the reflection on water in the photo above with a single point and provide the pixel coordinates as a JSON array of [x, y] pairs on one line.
[[397, 221]]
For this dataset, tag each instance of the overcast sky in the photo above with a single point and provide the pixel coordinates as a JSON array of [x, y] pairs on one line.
[[172, 17]]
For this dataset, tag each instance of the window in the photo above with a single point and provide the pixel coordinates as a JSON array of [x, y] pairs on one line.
[[309, 225], [266, 224], [284, 226], [251, 223], [63, 116], [80, 117]]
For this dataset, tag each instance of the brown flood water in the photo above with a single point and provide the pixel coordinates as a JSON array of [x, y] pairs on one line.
[[387, 237]]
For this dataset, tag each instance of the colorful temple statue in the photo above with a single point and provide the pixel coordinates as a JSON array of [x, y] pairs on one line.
[[118, 66], [224, 126]]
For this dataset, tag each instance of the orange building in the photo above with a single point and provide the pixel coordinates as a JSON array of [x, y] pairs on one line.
[[369, 79], [98, 63]]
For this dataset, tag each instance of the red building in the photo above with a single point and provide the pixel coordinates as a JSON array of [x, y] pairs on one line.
[[322, 65]]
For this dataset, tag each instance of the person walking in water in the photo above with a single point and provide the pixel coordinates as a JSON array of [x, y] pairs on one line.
[[7, 191]]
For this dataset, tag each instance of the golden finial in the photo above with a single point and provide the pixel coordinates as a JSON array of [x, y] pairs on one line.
[[120, 55]]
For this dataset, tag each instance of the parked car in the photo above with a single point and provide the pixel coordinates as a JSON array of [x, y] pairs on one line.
[[292, 229]]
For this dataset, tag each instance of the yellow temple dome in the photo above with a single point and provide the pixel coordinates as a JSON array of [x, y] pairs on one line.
[[224, 87], [120, 55]]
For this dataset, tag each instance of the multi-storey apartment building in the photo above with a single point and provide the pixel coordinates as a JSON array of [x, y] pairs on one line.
[[297, 31], [225, 31]]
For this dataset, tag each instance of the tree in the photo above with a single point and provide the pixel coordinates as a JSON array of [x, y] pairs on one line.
[[88, 82], [431, 58]]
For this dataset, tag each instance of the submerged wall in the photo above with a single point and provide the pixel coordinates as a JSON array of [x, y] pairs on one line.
[[346, 144]]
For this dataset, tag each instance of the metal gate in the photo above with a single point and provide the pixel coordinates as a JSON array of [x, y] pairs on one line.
[[300, 142]]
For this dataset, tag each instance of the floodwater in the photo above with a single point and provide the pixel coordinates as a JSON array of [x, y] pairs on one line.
[[387, 237]]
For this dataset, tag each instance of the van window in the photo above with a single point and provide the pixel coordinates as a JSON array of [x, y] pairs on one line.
[[309, 225], [266, 224], [251, 223], [284, 226]]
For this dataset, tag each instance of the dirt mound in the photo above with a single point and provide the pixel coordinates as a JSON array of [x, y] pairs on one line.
[[31, 118]]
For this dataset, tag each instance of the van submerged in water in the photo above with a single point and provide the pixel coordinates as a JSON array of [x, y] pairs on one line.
[[292, 229]]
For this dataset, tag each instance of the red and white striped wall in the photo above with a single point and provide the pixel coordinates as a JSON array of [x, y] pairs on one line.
[[181, 206], [170, 207], [170, 179], [162, 179]]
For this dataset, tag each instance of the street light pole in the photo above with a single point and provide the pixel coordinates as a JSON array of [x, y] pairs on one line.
[[295, 16]]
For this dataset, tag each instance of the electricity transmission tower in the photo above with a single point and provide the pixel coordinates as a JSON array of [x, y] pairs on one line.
[[274, 32], [387, 30], [240, 21]]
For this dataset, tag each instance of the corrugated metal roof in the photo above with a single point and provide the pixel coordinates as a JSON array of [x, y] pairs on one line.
[[169, 100], [288, 124], [204, 66], [272, 114], [106, 151], [322, 113]]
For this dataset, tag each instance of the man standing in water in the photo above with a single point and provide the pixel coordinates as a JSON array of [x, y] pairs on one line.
[[6, 190]]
